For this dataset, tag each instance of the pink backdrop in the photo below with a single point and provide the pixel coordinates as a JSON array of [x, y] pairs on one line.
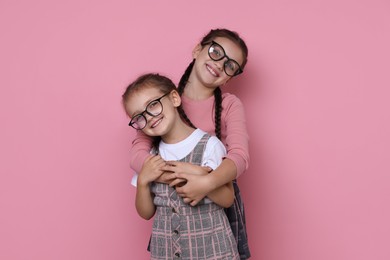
[[315, 90]]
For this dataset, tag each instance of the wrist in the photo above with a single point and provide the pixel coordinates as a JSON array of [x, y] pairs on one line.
[[141, 183], [211, 181]]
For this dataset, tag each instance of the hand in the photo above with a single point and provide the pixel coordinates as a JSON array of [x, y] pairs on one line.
[[195, 189], [185, 167], [151, 170], [172, 167], [166, 177]]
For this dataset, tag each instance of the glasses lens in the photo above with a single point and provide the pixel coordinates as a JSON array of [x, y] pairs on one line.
[[231, 67], [216, 52], [154, 108], [138, 122]]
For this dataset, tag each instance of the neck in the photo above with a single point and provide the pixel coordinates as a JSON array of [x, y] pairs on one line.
[[178, 133], [195, 90]]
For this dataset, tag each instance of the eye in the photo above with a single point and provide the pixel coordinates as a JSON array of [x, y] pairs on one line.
[[231, 65], [154, 104], [216, 51], [137, 119]]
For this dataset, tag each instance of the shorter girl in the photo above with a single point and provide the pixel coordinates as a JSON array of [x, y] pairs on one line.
[[179, 230]]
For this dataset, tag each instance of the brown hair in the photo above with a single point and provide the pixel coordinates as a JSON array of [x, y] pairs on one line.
[[149, 80]]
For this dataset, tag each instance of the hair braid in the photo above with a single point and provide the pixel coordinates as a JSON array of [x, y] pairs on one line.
[[182, 83], [218, 111], [156, 141], [184, 79]]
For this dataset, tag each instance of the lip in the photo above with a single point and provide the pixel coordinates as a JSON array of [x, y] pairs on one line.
[[212, 70], [156, 122]]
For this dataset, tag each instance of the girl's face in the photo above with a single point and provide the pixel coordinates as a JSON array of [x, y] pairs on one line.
[[213, 73], [153, 111]]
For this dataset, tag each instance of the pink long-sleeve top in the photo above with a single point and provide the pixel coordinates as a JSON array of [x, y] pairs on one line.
[[234, 134]]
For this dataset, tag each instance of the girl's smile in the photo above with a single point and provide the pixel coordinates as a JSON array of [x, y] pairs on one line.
[[213, 71], [156, 122]]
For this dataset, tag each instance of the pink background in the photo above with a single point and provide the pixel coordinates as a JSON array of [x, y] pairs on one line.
[[316, 92]]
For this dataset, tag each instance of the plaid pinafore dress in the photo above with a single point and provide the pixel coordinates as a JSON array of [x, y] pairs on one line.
[[236, 216], [181, 231]]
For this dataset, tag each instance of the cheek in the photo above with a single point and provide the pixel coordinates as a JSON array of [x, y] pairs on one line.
[[169, 111], [225, 79]]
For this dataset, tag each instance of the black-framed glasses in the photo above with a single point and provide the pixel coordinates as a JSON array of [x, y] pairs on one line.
[[154, 108], [230, 66]]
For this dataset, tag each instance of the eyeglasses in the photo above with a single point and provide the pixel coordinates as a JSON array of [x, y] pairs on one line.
[[217, 53], [154, 108]]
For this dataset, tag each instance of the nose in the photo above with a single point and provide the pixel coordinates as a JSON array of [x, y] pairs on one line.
[[148, 116], [220, 63]]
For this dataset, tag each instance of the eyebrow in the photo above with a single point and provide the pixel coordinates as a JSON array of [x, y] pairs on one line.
[[147, 103], [224, 50]]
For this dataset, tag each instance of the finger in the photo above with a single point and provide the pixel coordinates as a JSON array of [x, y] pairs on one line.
[[159, 160], [194, 202], [181, 175], [168, 168], [187, 200], [173, 183], [176, 182], [209, 169], [180, 190], [168, 176], [148, 158], [173, 163], [161, 164]]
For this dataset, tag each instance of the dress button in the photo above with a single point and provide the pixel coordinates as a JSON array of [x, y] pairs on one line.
[[173, 210], [177, 255], [175, 231]]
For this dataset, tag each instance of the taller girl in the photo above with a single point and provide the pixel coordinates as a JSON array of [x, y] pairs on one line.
[[220, 56]]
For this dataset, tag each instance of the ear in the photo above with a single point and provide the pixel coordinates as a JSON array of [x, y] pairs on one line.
[[175, 98], [196, 50]]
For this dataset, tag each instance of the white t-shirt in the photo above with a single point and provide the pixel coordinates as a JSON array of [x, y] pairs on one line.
[[213, 154]]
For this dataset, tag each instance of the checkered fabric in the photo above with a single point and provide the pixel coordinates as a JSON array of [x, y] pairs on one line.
[[236, 216], [181, 231]]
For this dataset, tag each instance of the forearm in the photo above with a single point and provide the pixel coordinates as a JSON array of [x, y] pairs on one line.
[[139, 151], [223, 196], [144, 202], [223, 174], [237, 138], [240, 160]]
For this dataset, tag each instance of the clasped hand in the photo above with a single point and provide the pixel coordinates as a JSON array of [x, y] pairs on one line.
[[189, 180]]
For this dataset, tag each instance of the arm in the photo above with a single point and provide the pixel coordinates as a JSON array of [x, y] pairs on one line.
[[234, 133], [199, 186], [223, 195], [237, 158], [213, 184], [150, 171], [144, 201], [139, 152]]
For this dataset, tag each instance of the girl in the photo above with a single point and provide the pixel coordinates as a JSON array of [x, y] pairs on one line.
[[179, 230], [220, 55]]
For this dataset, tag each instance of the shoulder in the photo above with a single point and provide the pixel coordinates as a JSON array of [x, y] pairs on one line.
[[230, 99], [231, 104], [214, 143]]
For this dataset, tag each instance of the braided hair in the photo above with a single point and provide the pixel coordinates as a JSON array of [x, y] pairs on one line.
[[223, 33], [182, 83]]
